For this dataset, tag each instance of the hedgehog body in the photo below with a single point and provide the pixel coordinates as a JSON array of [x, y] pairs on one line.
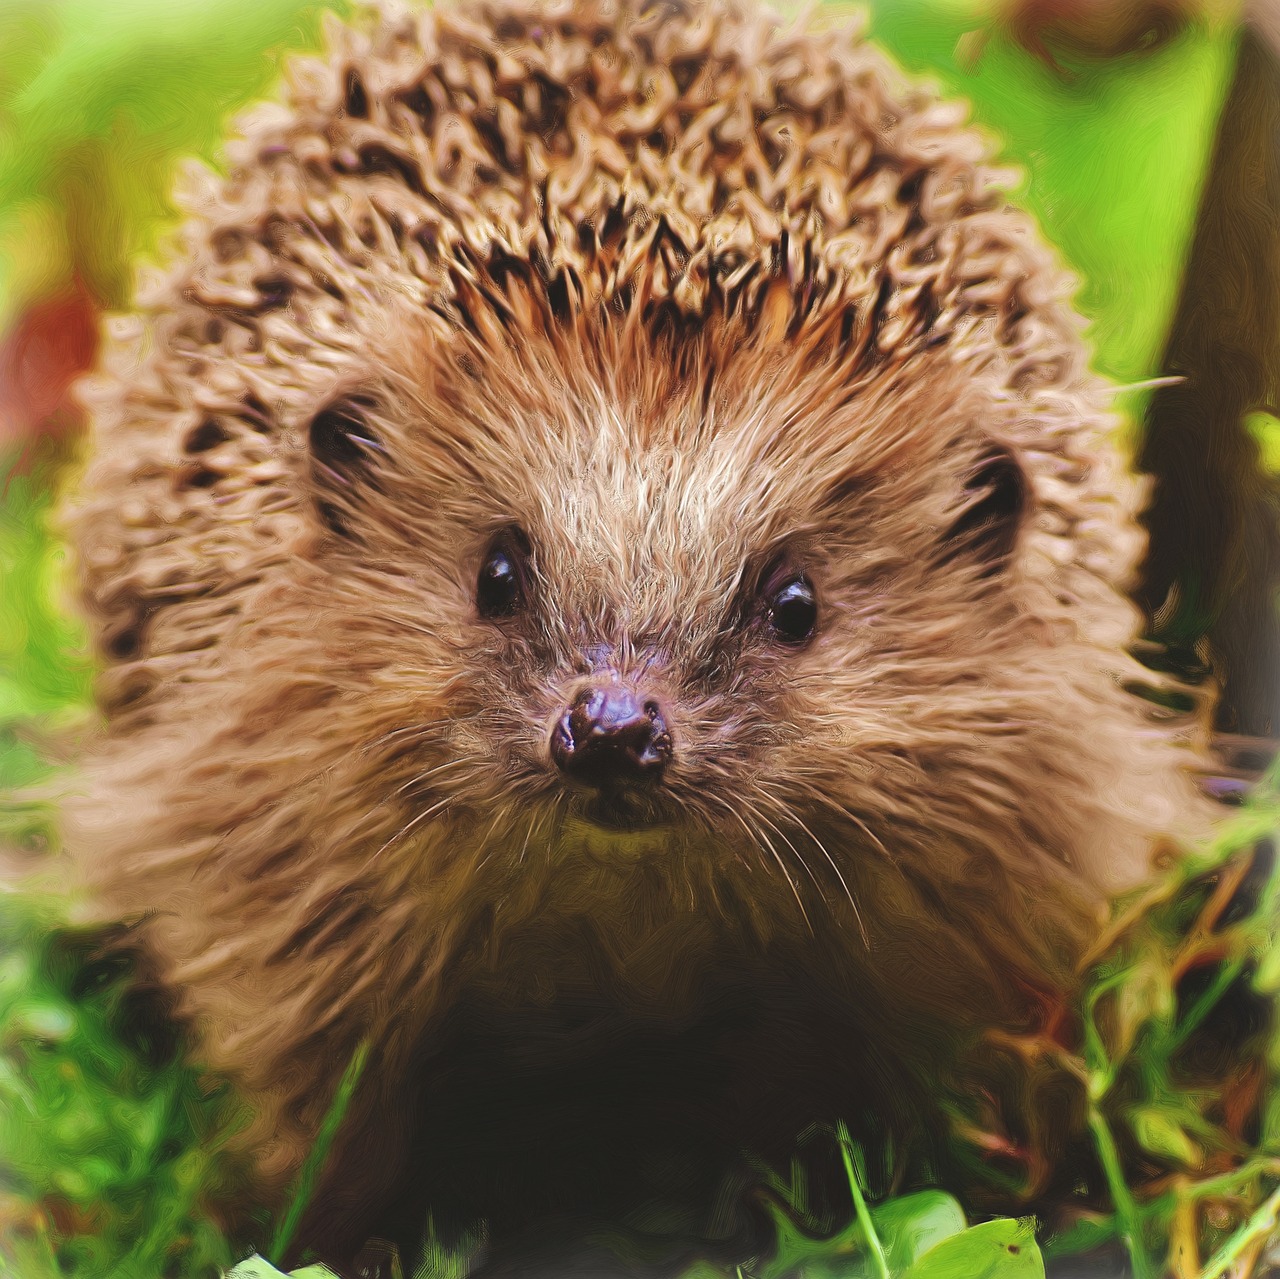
[[529, 350]]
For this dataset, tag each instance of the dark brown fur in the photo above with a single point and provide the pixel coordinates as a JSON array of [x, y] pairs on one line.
[[674, 291]]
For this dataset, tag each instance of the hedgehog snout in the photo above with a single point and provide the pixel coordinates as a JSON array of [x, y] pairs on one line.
[[611, 739]]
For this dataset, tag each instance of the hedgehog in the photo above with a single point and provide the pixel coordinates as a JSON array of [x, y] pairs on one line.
[[609, 563]]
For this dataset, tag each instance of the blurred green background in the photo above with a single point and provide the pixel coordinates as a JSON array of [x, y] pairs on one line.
[[98, 100]]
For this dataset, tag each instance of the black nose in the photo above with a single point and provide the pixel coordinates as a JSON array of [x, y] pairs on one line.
[[610, 739]]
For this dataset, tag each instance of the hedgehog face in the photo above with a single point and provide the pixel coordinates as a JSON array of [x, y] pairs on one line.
[[724, 595]]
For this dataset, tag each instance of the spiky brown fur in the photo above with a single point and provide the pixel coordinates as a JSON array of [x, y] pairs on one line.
[[670, 288]]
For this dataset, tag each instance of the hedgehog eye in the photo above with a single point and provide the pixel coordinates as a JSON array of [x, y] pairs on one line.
[[500, 585], [793, 610]]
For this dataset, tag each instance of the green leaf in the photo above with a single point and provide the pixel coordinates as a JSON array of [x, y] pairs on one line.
[[841, 1256], [1266, 980], [1004, 1249], [258, 1268], [1265, 429], [1144, 996], [907, 1227], [1158, 1132], [97, 102], [913, 1224], [1094, 147]]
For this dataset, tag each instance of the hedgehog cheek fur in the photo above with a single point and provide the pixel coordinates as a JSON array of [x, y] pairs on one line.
[[446, 417]]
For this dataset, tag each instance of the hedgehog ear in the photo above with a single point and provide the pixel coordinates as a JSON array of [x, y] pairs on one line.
[[993, 509], [344, 448]]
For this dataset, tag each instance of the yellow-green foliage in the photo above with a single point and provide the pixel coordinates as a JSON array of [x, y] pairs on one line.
[[97, 101]]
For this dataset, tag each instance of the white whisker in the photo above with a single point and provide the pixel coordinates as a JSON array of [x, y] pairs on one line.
[[765, 843], [827, 801], [528, 835], [782, 834], [406, 828], [831, 861], [382, 803], [433, 772], [492, 848]]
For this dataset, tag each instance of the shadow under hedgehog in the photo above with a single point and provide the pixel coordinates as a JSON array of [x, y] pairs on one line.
[[609, 564]]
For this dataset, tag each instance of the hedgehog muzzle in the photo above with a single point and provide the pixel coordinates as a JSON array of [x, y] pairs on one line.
[[612, 740]]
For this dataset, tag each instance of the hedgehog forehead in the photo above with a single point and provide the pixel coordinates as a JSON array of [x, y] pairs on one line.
[[638, 458], [654, 529], [656, 478]]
